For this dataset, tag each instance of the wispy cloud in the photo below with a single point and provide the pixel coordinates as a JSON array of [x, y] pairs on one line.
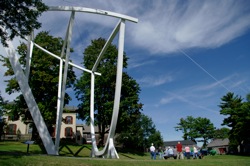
[[165, 26], [188, 99], [173, 25], [152, 81], [214, 85], [167, 99], [233, 82], [136, 64]]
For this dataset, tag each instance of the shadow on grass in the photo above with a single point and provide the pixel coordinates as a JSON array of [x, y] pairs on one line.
[[8, 155], [130, 153], [68, 151], [122, 154]]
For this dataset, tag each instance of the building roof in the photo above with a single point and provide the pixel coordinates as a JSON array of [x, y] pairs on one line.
[[86, 129], [218, 143], [183, 142], [69, 109]]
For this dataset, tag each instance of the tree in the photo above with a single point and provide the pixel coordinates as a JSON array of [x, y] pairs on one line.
[[19, 17], [155, 138], [43, 80], [140, 134], [205, 129], [194, 128], [105, 88], [186, 125], [238, 119], [2, 112], [221, 133]]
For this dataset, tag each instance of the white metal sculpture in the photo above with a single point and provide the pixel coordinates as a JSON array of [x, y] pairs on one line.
[[109, 150]]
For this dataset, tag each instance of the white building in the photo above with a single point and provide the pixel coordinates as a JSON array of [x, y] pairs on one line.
[[79, 133]]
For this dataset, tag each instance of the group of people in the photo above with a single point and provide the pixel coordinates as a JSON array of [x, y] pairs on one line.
[[191, 152], [177, 152]]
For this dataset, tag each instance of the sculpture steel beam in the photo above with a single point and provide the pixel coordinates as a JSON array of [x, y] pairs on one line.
[[109, 150]]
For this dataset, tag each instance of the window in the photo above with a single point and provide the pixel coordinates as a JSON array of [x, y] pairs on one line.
[[11, 129], [88, 135], [88, 138], [68, 132], [69, 120], [52, 131]]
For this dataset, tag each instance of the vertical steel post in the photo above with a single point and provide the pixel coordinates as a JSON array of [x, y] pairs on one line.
[[62, 83], [29, 54], [112, 151]]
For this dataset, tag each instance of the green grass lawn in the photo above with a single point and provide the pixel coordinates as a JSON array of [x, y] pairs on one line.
[[15, 153]]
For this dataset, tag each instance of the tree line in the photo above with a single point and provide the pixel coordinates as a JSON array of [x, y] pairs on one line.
[[237, 120]]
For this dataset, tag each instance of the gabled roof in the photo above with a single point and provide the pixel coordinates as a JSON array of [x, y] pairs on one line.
[[218, 143], [183, 142]]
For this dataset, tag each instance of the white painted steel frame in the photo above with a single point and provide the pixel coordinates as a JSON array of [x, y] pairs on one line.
[[59, 58], [93, 11], [29, 54], [62, 81], [109, 150], [30, 100]]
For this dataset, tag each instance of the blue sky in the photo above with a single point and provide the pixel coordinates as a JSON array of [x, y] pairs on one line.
[[185, 55]]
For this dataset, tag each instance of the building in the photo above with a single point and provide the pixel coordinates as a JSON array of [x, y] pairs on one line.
[[78, 133], [219, 145]]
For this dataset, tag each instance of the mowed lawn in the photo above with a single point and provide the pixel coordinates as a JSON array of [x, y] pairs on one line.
[[15, 153]]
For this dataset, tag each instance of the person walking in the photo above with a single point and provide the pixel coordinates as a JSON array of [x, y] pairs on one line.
[[152, 152], [179, 151]]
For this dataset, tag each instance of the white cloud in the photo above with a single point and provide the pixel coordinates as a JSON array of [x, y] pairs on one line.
[[214, 85], [152, 81], [165, 26], [168, 99], [208, 24], [189, 98]]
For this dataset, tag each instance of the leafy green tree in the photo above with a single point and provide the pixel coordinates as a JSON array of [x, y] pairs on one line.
[[2, 112], [19, 17], [186, 125], [230, 106], [1, 105], [205, 129], [140, 134], [194, 128], [155, 138], [221, 133], [238, 119], [43, 80], [105, 89]]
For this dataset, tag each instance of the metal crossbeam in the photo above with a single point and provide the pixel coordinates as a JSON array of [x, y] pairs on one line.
[[109, 150]]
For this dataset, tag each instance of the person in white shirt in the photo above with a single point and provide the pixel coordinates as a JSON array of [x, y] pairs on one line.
[[152, 151], [170, 152], [195, 155]]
